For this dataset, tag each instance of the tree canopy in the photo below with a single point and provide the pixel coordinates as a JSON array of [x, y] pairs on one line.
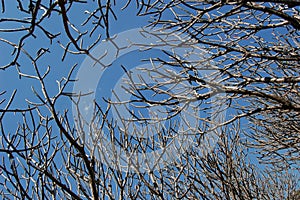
[[211, 112]]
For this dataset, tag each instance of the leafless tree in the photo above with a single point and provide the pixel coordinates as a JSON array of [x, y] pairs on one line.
[[224, 97]]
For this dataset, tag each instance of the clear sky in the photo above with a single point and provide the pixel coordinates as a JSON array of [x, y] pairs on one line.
[[126, 21], [110, 77], [10, 80]]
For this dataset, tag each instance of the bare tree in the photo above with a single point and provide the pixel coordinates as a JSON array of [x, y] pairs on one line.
[[215, 116]]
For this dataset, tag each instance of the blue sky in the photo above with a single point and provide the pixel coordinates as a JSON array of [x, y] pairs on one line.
[[9, 80]]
